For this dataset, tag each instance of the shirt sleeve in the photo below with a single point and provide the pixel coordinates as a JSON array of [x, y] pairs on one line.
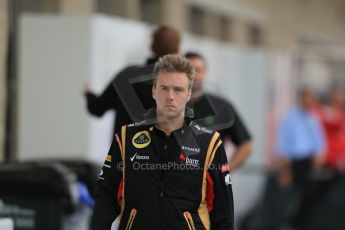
[[284, 138], [107, 206], [319, 136], [238, 132], [221, 207], [98, 104]]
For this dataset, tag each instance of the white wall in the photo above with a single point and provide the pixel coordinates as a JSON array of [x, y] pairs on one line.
[[116, 43], [54, 60], [58, 54]]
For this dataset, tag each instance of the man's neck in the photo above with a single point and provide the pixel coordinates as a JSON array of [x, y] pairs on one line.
[[304, 109], [168, 125]]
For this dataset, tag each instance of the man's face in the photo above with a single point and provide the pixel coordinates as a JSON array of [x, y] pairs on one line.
[[200, 73], [308, 99], [171, 94]]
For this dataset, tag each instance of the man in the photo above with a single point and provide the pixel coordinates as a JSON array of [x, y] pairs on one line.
[[300, 141], [227, 121], [300, 145], [175, 173], [165, 40]]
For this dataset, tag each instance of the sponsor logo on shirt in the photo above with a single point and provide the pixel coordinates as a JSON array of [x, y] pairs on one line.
[[100, 175], [107, 166], [188, 161], [136, 124], [227, 179], [202, 129], [182, 158], [108, 158], [190, 149], [138, 157], [141, 139], [107, 162]]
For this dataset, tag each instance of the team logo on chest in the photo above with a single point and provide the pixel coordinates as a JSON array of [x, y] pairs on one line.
[[141, 139]]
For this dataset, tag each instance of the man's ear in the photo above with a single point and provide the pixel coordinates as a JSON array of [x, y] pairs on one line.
[[154, 92], [189, 94]]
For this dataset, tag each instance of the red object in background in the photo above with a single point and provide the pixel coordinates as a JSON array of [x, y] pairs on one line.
[[333, 121]]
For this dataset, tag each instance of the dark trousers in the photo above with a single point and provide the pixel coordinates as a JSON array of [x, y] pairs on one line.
[[301, 170], [310, 190]]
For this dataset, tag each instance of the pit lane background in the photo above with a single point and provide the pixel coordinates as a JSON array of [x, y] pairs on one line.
[[58, 54]]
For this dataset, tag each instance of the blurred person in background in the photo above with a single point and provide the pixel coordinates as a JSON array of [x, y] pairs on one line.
[[301, 145], [332, 117], [165, 40], [203, 103], [300, 141]]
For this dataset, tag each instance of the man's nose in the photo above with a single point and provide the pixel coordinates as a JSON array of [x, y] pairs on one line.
[[171, 94]]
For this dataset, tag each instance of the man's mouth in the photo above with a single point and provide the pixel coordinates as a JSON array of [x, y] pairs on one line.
[[169, 106]]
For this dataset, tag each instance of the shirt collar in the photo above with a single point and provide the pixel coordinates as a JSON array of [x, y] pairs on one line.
[[150, 120]]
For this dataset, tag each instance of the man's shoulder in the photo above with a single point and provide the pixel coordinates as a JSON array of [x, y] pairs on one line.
[[137, 125], [294, 113], [198, 129], [131, 67], [291, 117], [134, 127], [216, 98], [218, 101]]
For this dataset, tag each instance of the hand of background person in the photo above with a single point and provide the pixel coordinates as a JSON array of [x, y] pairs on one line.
[[318, 161], [285, 175], [87, 88], [285, 178]]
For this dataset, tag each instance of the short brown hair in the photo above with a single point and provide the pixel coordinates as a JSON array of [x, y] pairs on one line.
[[174, 63], [165, 40]]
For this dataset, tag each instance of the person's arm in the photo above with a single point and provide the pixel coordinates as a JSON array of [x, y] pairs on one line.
[[108, 195], [240, 137], [240, 155], [320, 145], [98, 105], [221, 207], [285, 175], [284, 142]]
